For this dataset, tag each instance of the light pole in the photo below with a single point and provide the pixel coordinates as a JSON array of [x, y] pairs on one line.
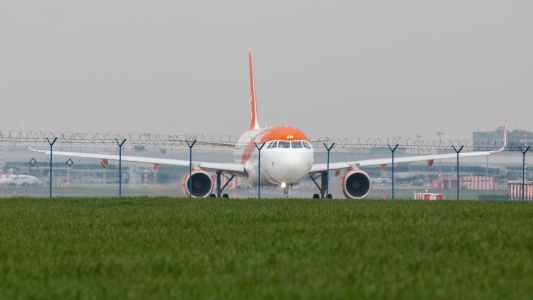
[[458, 182], [120, 144], [259, 169], [524, 151], [392, 151], [190, 165], [327, 169], [51, 159]]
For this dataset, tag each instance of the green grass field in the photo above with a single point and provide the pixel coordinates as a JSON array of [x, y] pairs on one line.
[[160, 248]]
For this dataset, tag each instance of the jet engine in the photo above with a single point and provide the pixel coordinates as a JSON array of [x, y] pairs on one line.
[[355, 184], [202, 184]]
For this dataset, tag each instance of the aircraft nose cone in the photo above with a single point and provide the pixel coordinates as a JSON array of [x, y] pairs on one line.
[[289, 167]]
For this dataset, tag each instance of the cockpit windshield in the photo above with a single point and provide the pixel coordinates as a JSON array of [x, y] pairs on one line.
[[297, 144], [287, 144], [283, 144]]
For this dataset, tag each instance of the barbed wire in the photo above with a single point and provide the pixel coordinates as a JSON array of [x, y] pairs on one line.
[[148, 139]]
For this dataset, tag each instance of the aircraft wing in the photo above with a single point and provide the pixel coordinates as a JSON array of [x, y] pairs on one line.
[[337, 166], [232, 168], [317, 168]]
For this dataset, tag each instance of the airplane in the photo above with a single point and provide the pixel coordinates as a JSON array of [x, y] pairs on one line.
[[10, 178], [287, 157], [25, 180]]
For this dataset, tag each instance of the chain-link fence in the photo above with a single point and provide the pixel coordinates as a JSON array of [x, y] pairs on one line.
[[29, 173]]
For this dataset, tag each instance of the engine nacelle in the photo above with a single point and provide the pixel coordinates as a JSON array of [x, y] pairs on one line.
[[356, 184], [202, 184]]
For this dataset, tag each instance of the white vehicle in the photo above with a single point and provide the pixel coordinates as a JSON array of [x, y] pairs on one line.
[[287, 157]]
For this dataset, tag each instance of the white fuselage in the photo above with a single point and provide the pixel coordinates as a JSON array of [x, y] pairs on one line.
[[5, 180]]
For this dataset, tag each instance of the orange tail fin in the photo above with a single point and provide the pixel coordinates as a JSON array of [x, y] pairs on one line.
[[254, 124]]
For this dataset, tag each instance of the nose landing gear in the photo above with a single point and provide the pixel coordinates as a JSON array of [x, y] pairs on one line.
[[286, 188], [286, 191]]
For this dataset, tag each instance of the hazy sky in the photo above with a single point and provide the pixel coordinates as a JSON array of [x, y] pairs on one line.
[[331, 68]]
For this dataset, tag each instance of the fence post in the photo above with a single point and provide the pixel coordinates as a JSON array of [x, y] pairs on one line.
[[120, 166], [392, 150], [523, 170], [259, 170], [327, 169], [51, 149], [457, 152], [190, 165]]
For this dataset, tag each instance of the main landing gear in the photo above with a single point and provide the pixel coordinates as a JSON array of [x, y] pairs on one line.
[[219, 187], [322, 186]]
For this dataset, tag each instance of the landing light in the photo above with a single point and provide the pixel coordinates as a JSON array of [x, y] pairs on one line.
[[283, 184]]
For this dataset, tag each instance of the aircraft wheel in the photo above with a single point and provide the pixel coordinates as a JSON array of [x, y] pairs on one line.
[[316, 196], [225, 196], [329, 196]]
